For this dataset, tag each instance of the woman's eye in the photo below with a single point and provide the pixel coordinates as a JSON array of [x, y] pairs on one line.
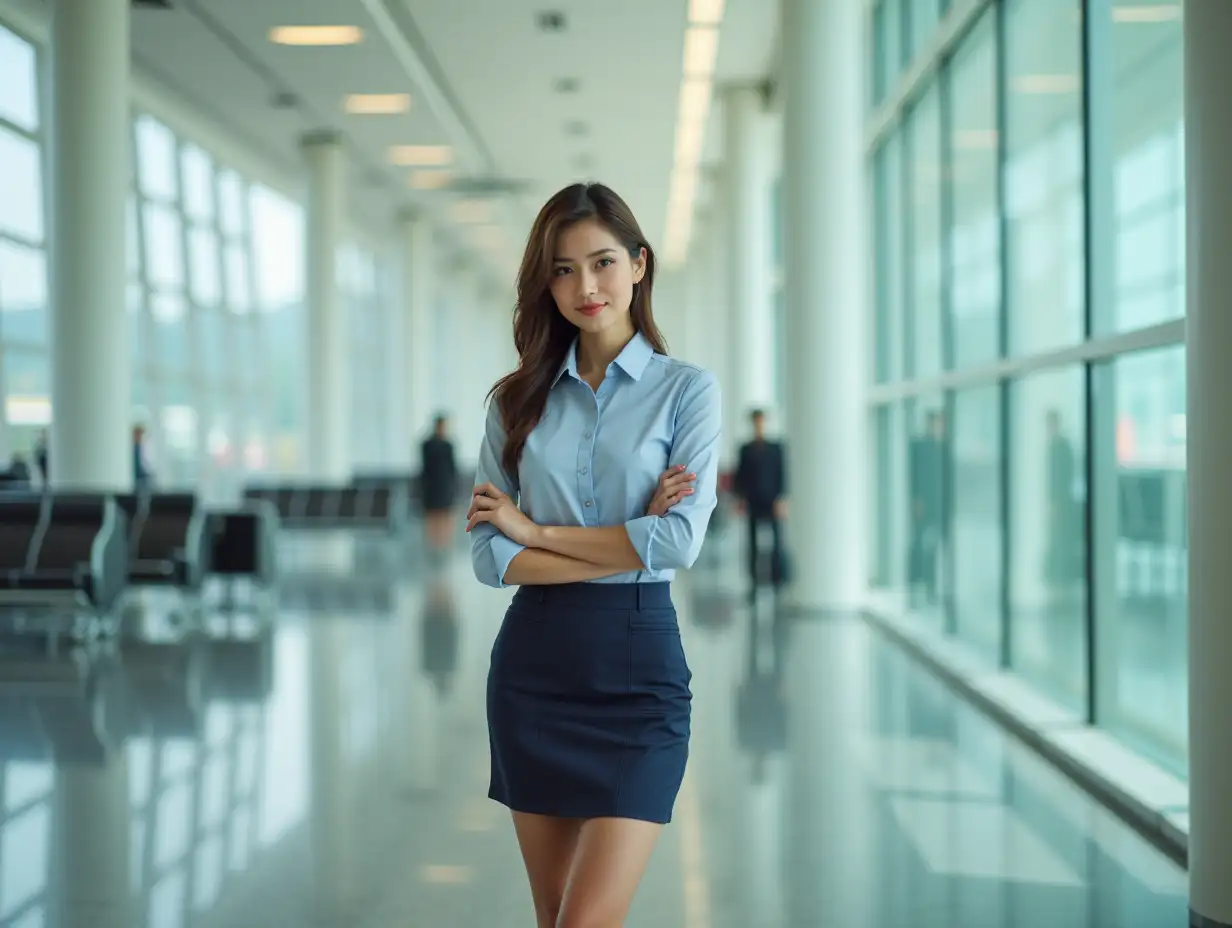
[[561, 271], [606, 262]]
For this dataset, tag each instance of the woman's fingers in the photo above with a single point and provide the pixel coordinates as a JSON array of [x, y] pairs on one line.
[[482, 504], [477, 518]]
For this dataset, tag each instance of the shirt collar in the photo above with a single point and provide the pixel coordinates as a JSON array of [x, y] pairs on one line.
[[632, 360]]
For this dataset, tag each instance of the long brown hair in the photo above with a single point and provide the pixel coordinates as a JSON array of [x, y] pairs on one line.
[[541, 335]]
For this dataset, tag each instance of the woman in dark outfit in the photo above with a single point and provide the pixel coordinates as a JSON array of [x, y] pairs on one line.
[[438, 483], [597, 478]]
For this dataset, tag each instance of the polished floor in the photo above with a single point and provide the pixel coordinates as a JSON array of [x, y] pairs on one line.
[[325, 764]]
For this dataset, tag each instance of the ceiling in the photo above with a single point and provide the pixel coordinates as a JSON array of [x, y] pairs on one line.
[[483, 77]]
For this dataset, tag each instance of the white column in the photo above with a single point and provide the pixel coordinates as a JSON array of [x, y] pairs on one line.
[[1208, 181], [328, 384], [824, 277], [747, 174], [418, 288], [398, 443], [91, 370]]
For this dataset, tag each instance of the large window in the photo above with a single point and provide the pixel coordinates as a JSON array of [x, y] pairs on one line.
[[1137, 164], [974, 231], [1045, 260], [925, 259], [1141, 549], [1036, 186], [25, 362], [1048, 531]]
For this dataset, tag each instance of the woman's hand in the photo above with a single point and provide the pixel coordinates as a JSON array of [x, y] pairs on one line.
[[674, 485], [488, 504]]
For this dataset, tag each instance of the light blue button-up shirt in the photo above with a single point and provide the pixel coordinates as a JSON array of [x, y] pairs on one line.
[[596, 457]]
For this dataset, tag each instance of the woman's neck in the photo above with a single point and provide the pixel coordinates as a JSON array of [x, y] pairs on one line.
[[596, 350]]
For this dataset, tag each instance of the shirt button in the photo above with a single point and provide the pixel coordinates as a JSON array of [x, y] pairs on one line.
[[584, 471], [586, 436], [589, 503]]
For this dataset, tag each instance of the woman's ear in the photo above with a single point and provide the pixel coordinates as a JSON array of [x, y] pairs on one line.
[[639, 266]]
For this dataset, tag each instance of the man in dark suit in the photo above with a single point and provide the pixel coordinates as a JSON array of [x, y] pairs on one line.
[[761, 486]]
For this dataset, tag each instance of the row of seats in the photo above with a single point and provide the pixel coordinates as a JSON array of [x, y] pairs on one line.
[[380, 506], [82, 550]]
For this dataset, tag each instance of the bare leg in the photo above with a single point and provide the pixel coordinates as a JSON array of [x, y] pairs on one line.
[[547, 846], [611, 857]]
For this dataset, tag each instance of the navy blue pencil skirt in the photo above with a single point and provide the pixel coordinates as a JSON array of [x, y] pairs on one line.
[[589, 702]]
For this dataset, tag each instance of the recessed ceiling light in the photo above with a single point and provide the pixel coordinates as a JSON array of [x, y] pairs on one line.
[[377, 104], [1153, 13], [551, 21], [706, 12], [701, 47], [472, 211], [316, 35], [431, 180], [446, 873], [421, 156], [576, 128], [566, 85]]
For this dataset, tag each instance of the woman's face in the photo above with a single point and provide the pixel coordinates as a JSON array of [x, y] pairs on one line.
[[593, 276]]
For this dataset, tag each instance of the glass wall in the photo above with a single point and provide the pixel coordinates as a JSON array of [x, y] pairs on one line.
[[196, 385], [25, 361], [1031, 501], [206, 323]]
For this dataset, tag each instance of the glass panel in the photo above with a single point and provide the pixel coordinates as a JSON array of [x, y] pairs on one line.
[[164, 246], [921, 25], [239, 286], [976, 506], [928, 480], [924, 243], [206, 287], [1048, 502], [887, 497], [231, 193], [18, 81], [975, 238], [171, 339], [889, 38], [156, 169], [21, 187], [23, 294], [888, 255], [1044, 174], [1141, 550], [27, 398], [215, 352], [1137, 165], [198, 184]]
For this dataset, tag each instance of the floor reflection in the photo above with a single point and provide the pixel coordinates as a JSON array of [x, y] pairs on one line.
[[324, 763]]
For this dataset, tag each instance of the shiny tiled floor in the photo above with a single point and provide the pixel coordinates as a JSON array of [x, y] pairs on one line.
[[332, 770]]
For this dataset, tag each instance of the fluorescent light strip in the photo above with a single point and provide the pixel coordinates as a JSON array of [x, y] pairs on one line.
[[377, 104], [421, 156], [706, 12], [316, 35], [431, 180], [695, 97], [701, 49]]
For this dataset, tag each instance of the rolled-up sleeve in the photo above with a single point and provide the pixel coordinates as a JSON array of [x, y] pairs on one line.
[[491, 551], [673, 541]]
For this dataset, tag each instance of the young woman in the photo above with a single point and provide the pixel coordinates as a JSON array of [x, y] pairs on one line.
[[596, 482]]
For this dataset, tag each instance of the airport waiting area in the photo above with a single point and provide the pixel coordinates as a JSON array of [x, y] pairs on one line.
[[936, 355]]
